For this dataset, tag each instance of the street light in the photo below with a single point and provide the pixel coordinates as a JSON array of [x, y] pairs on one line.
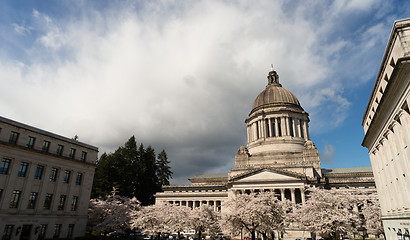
[[362, 232]]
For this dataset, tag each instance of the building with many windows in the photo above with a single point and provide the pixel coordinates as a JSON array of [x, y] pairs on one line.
[[386, 124], [279, 157], [45, 183]]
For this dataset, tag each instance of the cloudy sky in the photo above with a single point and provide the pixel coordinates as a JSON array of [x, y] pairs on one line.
[[182, 75]]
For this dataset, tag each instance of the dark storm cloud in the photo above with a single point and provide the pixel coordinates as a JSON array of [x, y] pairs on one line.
[[183, 75]]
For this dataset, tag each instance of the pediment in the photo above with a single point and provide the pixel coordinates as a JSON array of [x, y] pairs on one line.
[[267, 175]]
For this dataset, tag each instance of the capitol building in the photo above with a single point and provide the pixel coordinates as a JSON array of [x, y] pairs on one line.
[[279, 157]]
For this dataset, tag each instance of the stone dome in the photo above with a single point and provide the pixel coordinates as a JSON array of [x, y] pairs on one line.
[[275, 95]]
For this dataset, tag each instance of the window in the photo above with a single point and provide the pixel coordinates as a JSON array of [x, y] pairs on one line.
[[74, 202], [4, 167], [32, 200], [8, 229], [53, 174], [60, 150], [31, 141], [67, 176], [83, 156], [14, 136], [15, 197], [48, 200], [78, 179], [1, 193], [46, 146], [61, 202], [57, 230], [39, 172], [23, 169], [72, 153], [70, 231], [42, 231]]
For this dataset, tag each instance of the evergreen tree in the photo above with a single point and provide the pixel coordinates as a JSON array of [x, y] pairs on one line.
[[163, 169], [133, 170]]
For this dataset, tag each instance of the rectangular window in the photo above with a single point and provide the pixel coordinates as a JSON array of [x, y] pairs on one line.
[[48, 200], [8, 230], [72, 153], [4, 167], [15, 198], [61, 202], [42, 231], [46, 146], [32, 200], [70, 231], [67, 176], [74, 202], [14, 136], [53, 174], [78, 179], [22, 169], [57, 230], [39, 172], [60, 150], [83, 156], [31, 141]]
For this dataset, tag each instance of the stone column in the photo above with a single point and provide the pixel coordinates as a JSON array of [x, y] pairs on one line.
[[379, 180], [276, 127], [270, 127], [287, 126], [282, 194], [305, 130], [295, 131], [247, 134], [255, 130], [389, 175], [292, 195], [298, 127], [302, 194], [283, 126]]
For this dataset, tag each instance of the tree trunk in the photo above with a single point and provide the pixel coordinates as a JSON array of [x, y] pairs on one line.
[[199, 235], [272, 235], [253, 235]]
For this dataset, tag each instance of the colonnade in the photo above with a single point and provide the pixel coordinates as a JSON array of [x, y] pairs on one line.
[[277, 127], [197, 203], [295, 195], [390, 160]]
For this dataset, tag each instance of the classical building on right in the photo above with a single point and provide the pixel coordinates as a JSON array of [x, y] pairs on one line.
[[386, 124]]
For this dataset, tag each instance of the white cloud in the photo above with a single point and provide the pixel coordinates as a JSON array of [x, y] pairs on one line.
[[177, 75]]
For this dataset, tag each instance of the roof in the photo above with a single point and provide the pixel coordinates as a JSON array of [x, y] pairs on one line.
[[213, 175], [347, 170]]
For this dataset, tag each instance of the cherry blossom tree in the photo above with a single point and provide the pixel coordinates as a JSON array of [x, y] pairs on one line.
[[115, 213], [155, 219], [202, 219], [255, 212], [327, 212], [372, 215]]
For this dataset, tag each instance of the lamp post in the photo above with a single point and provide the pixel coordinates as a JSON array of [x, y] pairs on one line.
[[362, 232]]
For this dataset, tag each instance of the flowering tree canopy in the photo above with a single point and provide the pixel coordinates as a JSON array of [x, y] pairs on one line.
[[373, 217], [203, 218], [113, 213], [256, 212]]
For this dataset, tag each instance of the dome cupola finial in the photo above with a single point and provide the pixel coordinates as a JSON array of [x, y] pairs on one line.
[[273, 77]]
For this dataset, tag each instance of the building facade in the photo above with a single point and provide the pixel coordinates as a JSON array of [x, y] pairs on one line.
[[279, 157], [386, 124], [45, 183]]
